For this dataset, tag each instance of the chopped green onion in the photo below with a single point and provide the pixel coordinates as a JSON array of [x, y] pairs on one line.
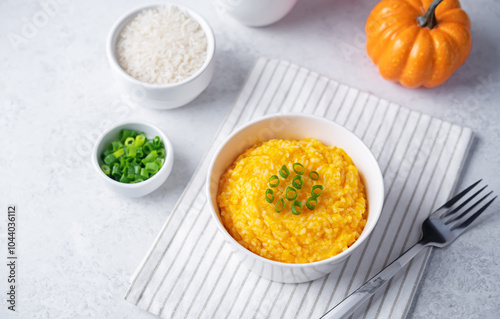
[[299, 168], [124, 134], [152, 168], [290, 190], [116, 171], [124, 179], [129, 141], [144, 173], [119, 153], [137, 180], [161, 152], [312, 199], [269, 199], [131, 150], [150, 158], [314, 175], [140, 140], [139, 152], [276, 179], [148, 147], [159, 162], [296, 204], [156, 142], [314, 188], [116, 145], [109, 159], [281, 203], [284, 171], [296, 179], [107, 152], [105, 168]]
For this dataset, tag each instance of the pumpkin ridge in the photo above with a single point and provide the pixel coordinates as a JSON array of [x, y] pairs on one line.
[[456, 15], [418, 67], [462, 43], [383, 40], [387, 58], [441, 72], [418, 7]]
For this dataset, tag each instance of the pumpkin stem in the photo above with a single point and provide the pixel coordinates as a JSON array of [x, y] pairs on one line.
[[428, 19]]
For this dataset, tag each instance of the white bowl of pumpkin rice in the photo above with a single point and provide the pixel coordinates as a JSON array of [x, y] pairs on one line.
[[294, 195]]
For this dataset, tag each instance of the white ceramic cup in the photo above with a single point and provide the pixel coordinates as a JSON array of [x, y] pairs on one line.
[[162, 96], [256, 13], [296, 126]]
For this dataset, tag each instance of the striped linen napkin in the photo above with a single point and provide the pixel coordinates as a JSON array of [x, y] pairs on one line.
[[190, 272]]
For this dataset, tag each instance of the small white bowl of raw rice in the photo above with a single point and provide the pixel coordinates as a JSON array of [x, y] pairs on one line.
[[163, 54], [260, 187]]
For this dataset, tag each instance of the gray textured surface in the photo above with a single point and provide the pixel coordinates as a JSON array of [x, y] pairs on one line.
[[79, 243]]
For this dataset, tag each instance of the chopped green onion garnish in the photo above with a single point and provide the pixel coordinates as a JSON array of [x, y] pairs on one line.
[[157, 142], [284, 171], [315, 193], [124, 134], [310, 205], [109, 159], [150, 158], [159, 162], [140, 140], [289, 190], [299, 168], [116, 145], [132, 158], [269, 192], [105, 168], [148, 147], [139, 152], [144, 173], [296, 180], [129, 141], [314, 175], [106, 153], [160, 152], [130, 172], [131, 150], [281, 203], [296, 204], [119, 153], [274, 181], [116, 171], [152, 168]]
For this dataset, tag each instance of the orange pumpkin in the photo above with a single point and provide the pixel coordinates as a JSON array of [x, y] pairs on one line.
[[418, 42]]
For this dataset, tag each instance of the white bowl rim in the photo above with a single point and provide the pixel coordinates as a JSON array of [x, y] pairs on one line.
[[165, 140], [251, 254], [113, 59]]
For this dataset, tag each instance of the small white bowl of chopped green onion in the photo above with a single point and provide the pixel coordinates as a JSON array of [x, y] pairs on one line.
[[133, 158]]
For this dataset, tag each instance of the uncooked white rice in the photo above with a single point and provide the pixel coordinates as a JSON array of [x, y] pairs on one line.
[[162, 46]]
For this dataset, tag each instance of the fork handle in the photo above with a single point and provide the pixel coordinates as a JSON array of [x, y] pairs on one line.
[[347, 306]]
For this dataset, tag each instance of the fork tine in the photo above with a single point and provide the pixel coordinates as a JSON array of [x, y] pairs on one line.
[[455, 199], [463, 226], [453, 211], [455, 218]]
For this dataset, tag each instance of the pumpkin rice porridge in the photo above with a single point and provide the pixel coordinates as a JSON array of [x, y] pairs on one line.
[[293, 201]]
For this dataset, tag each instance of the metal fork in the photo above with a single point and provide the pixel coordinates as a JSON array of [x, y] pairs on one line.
[[441, 228]]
